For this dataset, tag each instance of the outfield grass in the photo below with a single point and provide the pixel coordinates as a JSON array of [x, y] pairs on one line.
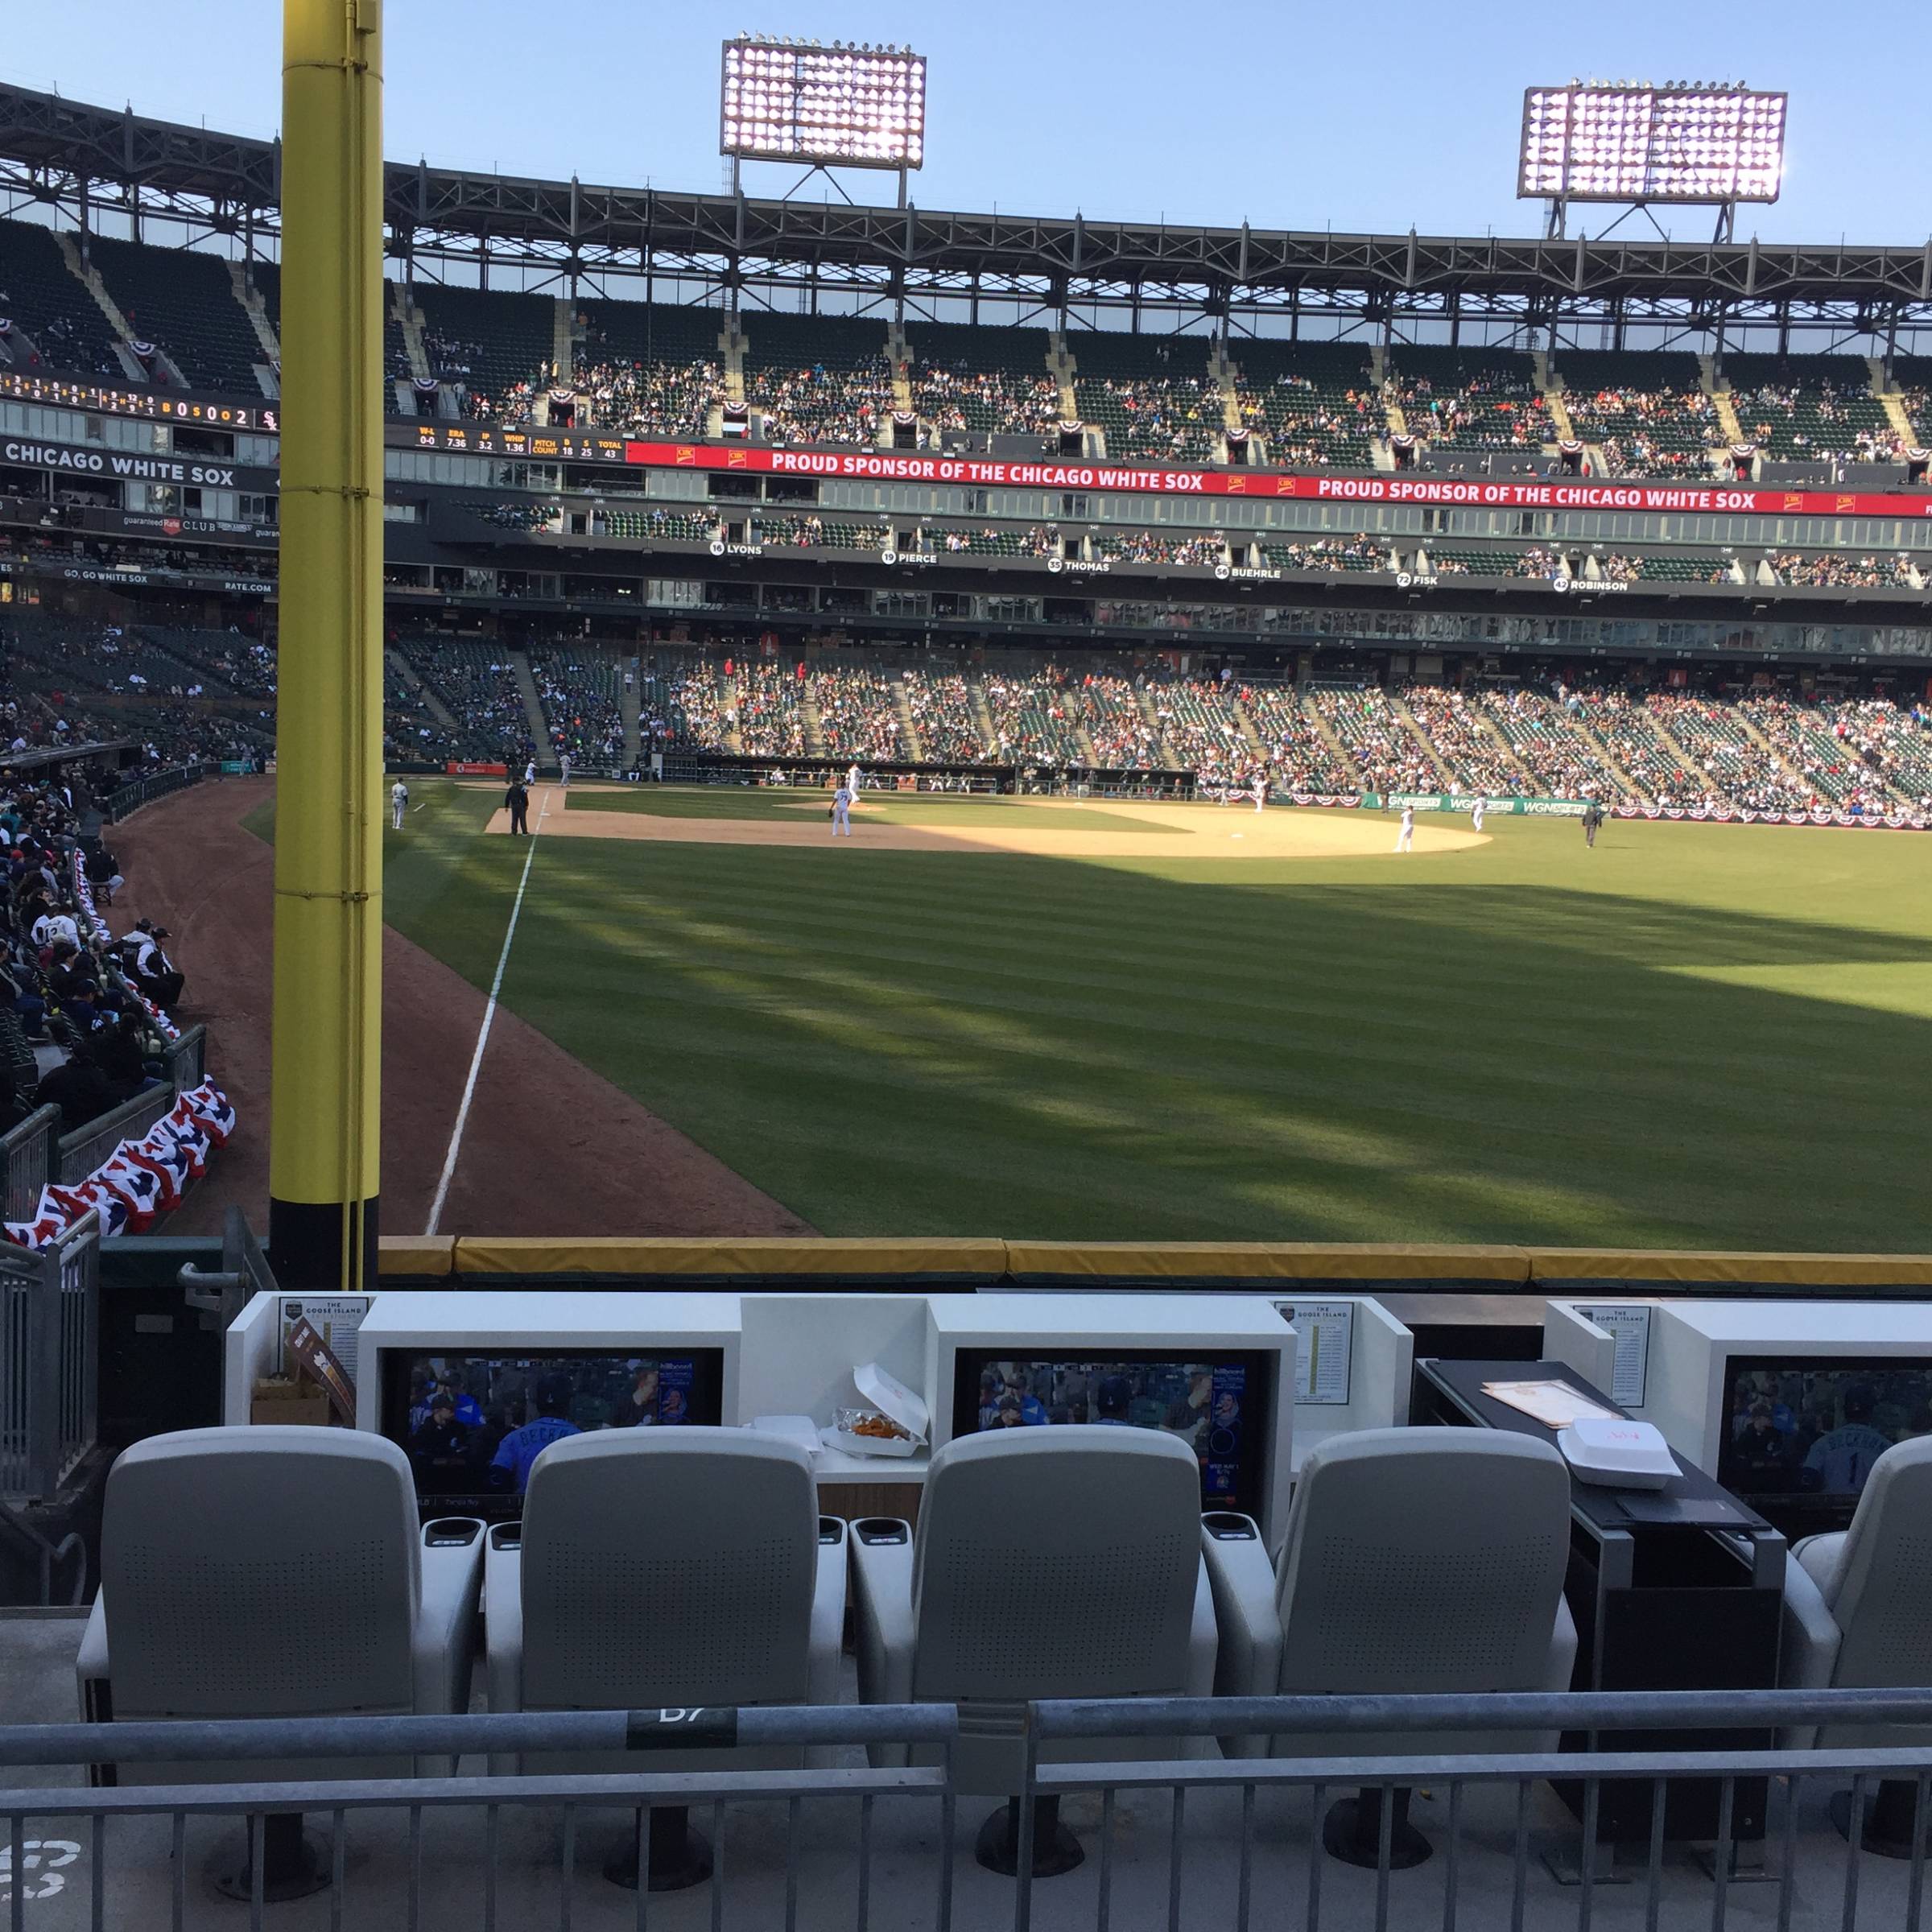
[[1715, 1036]]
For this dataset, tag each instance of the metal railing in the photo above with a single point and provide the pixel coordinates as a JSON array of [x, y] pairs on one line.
[[1179, 1842], [129, 797], [26, 1161], [77, 1154], [187, 1059], [49, 1338]]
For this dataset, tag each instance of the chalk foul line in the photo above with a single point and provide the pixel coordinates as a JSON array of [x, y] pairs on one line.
[[489, 1014]]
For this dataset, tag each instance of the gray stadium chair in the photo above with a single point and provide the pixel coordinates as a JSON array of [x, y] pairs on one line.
[[1060, 1561], [657, 1568], [1854, 1616], [276, 1572], [1416, 1560]]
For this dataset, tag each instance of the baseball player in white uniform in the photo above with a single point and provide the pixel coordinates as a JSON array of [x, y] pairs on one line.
[[564, 767], [851, 780], [1405, 839], [399, 803], [530, 772], [1261, 789], [841, 811], [1476, 817]]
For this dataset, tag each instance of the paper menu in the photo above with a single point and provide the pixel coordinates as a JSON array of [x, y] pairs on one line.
[[1629, 1324], [337, 1319], [1555, 1405], [1325, 1340]]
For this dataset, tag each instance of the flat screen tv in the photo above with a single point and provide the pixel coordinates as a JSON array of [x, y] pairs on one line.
[[1800, 1434], [1221, 1404], [473, 1425]]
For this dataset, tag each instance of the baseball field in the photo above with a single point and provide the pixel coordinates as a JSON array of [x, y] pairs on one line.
[[1091, 1020]]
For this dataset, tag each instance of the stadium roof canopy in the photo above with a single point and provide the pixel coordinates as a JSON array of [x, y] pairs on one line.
[[91, 162]]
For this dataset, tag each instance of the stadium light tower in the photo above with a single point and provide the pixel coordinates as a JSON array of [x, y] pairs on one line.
[[1690, 142], [838, 106]]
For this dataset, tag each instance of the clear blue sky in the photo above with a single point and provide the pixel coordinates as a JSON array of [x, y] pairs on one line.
[[1356, 118]]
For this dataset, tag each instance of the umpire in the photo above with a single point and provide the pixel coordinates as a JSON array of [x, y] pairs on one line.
[[517, 799]]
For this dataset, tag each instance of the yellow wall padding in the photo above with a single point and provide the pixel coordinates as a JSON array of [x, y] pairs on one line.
[[1551, 1266], [1264, 1261], [415, 1255], [976, 1259]]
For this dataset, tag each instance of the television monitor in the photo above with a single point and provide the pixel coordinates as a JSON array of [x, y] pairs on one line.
[[1799, 1434], [473, 1425], [1219, 1403]]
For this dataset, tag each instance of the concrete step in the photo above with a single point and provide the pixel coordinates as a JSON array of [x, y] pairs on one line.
[[815, 725], [982, 714], [438, 710], [409, 318], [533, 708], [1406, 718], [1145, 699], [1485, 723], [250, 298], [630, 679], [1250, 736], [1323, 731], [909, 735]]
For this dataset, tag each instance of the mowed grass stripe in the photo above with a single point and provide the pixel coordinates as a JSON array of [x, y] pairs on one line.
[[932, 1043]]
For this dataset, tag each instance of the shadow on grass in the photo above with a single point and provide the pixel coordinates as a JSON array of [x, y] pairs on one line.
[[1033, 1047]]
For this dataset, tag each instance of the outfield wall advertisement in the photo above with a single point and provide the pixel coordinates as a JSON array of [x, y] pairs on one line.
[[888, 466]]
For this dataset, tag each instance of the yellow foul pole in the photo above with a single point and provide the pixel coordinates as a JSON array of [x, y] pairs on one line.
[[324, 1175]]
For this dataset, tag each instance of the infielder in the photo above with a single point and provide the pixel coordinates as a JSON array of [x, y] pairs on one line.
[[530, 772], [851, 780], [564, 766], [399, 802], [1260, 791], [1405, 839], [841, 811], [1476, 817]]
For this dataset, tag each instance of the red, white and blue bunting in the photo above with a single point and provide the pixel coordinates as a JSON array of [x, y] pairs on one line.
[[140, 1180], [1738, 814], [1348, 799]]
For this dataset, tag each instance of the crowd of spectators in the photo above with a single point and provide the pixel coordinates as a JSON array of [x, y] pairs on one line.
[[1895, 740], [1158, 546], [1456, 730], [1201, 727], [1831, 570], [943, 718], [1735, 769], [1299, 758], [1000, 401], [579, 691], [821, 404], [1123, 738], [1552, 740], [771, 715], [1388, 756], [1815, 755], [1489, 406], [670, 399], [1328, 553], [77, 1025], [857, 716], [476, 683], [1033, 723], [1004, 540]]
